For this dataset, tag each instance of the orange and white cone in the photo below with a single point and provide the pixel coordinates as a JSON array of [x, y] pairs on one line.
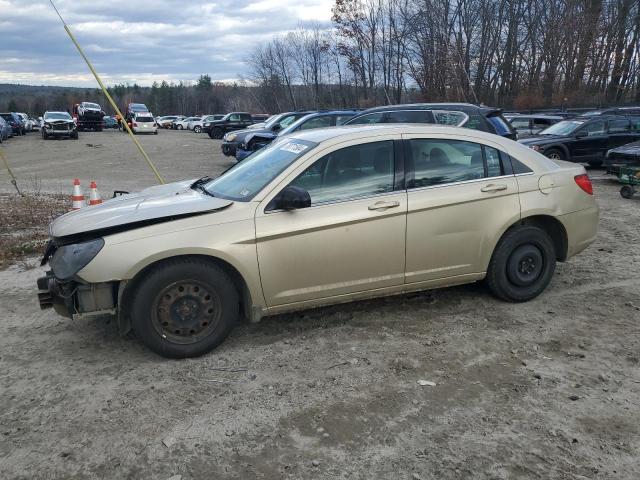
[[94, 196], [77, 198]]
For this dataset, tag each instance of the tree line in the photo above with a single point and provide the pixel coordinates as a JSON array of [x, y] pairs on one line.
[[514, 53], [521, 54]]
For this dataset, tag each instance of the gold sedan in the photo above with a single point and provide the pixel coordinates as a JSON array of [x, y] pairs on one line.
[[320, 217]]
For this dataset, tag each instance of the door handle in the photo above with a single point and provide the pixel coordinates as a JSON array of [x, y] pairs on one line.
[[493, 188], [384, 205]]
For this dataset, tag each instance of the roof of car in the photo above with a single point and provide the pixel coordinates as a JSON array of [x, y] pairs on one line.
[[431, 106], [534, 115]]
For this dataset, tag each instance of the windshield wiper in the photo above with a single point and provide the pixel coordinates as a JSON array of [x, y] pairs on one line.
[[199, 185]]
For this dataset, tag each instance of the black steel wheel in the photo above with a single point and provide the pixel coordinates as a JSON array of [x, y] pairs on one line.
[[184, 307], [522, 264], [216, 133]]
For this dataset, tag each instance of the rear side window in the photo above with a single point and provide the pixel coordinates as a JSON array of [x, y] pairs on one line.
[[447, 117], [520, 123], [541, 122], [619, 125], [635, 124], [350, 173], [318, 122], [439, 162], [500, 125], [246, 117], [408, 116]]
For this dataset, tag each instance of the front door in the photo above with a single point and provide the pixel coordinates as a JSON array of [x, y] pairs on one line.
[[461, 195], [352, 237]]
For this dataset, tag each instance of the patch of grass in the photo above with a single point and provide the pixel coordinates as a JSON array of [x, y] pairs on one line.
[[24, 224]]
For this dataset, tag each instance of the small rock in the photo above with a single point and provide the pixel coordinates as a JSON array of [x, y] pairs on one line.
[[176, 477], [65, 454], [574, 398], [601, 377], [229, 433], [426, 383], [575, 440], [319, 430], [168, 442], [315, 463], [538, 376], [415, 476], [325, 435]]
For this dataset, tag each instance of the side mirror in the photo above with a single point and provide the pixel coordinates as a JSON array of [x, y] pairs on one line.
[[276, 127], [290, 198], [582, 134]]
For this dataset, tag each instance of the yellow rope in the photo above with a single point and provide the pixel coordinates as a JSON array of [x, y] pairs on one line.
[[14, 181], [106, 94]]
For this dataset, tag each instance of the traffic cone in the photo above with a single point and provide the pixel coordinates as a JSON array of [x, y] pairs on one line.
[[94, 196], [77, 198]]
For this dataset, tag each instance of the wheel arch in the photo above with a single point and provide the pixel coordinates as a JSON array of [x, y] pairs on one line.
[[562, 147], [551, 225], [127, 288]]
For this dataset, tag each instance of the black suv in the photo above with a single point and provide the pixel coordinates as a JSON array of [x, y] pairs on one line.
[[586, 139], [228, 123], [15, 122], [232, 140], [486, 119]]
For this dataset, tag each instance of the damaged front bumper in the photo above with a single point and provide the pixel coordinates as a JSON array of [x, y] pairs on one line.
[[74, 299]]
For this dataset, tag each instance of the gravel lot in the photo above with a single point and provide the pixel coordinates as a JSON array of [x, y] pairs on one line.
[[549, 389]]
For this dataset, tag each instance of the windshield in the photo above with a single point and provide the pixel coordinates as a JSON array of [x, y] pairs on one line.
[[57, 116], [138, 107], [92, 105], [245, 179], [566, 127]]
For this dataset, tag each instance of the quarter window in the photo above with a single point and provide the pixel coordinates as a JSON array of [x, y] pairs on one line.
[[317, 122], [439, 162], [621, 125], [408, 116], [366, 119], [350, 173]]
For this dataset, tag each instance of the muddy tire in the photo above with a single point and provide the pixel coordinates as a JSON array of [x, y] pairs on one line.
[[216, 133], [184, 308], [522, 264]]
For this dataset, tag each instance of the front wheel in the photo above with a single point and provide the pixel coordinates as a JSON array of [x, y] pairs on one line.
[[555, 154], [197, 129], [180, 127], [216, 133], [522, 264], [627, 191], [184, 308]]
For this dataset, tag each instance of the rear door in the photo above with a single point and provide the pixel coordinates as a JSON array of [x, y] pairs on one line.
[[460, 196], [591, 141], [620, 132]]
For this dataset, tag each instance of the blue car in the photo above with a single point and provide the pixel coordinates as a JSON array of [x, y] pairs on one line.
[[15, 122], [256, 141]]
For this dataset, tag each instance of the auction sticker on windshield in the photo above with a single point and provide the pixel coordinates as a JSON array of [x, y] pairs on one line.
[[294, 147]]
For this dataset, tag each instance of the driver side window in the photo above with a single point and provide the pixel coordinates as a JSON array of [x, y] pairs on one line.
[[350, 173], [593, 128]]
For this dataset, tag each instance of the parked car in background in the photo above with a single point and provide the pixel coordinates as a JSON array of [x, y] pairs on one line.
[[324, 216], [35, 123], [624, 156], [586, 139], [166, 120], [5, 130], [144, 122], [183, 123], [28, 126], [276, 123], [485, 119], [197, 124], [15, 122], [529, 125], [256, 141], [88, 116], [59, 124], [109, 122], [230, 122]]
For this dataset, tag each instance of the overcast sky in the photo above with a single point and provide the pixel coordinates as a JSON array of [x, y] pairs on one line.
[[128, 42]]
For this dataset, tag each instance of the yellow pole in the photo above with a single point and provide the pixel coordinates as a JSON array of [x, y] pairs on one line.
[[106, 94]]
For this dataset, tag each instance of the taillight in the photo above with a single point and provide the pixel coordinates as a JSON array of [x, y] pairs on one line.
[[584, 182]]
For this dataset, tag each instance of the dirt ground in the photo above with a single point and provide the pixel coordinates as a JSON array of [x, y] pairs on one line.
[[549, 389]]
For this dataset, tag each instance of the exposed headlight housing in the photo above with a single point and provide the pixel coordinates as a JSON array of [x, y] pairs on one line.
[[230, 137], [70, 259]]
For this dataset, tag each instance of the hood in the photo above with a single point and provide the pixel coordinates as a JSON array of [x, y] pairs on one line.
[[629, 148], [242, 134], [542, 139], [137, 209], [60, 120]]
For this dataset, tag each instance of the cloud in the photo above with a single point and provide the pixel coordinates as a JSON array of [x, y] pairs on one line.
[[142, 42]]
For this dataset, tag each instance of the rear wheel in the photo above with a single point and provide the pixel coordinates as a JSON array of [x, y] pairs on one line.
[[180, 127], [44, 135], [184, 308], [522, 264], [197, 129], [555, 154]]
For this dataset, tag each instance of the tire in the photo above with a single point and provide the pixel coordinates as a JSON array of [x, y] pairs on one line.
[[180, 127], [216, 133], [155, 132], [75, 136], [197, 129], [522, 264], [555, 154], [44, 135], [162, 314], [627, 191]]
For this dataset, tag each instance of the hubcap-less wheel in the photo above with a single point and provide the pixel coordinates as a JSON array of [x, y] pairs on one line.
[[525, 265], [186, 312], [554, 156]]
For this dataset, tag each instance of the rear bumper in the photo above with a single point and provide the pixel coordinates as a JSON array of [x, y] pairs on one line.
[[581, 228]]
